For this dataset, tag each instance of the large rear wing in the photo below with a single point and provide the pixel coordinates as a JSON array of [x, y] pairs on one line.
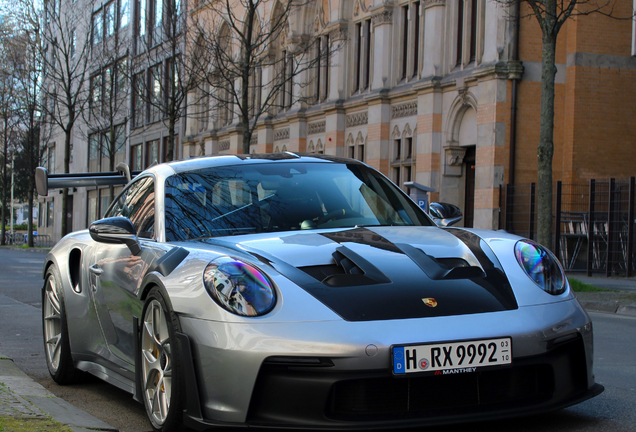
[[45, 181]]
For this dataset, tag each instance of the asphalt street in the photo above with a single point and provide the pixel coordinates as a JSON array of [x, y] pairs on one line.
[[21, 340]]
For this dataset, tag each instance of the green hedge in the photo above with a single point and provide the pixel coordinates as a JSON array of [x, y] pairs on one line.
[[21, 227]]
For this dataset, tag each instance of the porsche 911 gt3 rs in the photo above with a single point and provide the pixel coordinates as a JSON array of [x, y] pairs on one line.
[[306, 291]]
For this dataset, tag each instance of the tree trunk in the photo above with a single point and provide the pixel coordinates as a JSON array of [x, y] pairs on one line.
[[30, 219], [545, 149], [33, 152], [3, 215]]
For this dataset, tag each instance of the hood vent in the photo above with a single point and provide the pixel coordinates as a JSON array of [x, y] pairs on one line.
[[350, 269], [441, 268]]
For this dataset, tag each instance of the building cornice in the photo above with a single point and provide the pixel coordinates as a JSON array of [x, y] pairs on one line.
[[430, 3]]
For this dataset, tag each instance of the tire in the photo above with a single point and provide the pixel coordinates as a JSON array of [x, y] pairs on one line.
[[161, 386], [57, 347]]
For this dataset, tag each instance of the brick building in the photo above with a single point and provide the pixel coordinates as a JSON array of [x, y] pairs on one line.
[[423, 91]]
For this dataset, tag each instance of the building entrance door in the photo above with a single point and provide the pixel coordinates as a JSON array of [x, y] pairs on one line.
[[469, 200]]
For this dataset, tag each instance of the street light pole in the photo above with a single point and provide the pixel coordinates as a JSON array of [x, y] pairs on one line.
[[11, 218]]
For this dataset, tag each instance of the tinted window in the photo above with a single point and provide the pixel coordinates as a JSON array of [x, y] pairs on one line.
[[280, 197], [137, 203]]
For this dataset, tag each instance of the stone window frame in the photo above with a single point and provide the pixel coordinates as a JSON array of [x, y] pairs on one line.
[[411, 40], [403, 155], [356, 148], [322, 62], [362, 62], [469, 17]]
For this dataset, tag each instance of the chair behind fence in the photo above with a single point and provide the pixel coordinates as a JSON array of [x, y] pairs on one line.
[[593, 223], [19, 239]]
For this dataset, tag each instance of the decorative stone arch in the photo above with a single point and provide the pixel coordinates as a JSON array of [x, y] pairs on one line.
[[322, 15], [360, 139], [319, 147], [461, 123], [277, 150], [311, 148], [278, 9], [225, 31], [407, 131], [349, 140], [396, 132], [284, 148], [359, 6]]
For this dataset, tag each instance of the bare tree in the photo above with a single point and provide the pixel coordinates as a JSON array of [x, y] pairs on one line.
[[255, 63], [163, 71], [9, 52], [551, 15], [108, 105], [66, 44], [27, 65]]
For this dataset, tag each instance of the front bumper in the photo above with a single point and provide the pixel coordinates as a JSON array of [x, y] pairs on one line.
[[248, 376]]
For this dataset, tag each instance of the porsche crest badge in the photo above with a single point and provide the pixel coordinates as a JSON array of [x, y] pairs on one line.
[[430, 302]]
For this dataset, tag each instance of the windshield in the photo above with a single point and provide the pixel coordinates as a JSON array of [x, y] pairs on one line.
[[274, 197]]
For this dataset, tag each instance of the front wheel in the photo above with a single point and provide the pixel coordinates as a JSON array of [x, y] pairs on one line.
[[160, 385]]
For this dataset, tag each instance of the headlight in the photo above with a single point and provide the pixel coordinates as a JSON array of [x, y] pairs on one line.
[[541, 266], [239, 287]]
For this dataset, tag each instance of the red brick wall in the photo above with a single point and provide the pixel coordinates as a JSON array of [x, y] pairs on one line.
[[595, 112]]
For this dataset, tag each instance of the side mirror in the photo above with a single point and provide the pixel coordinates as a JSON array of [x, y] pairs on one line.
[[445, 214], [116, 230]]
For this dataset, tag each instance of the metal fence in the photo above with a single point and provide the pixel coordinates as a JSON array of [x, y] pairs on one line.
[[19, 239], [593, 223]]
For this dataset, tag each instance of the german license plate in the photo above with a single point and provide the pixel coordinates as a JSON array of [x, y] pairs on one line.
[[452, 357]]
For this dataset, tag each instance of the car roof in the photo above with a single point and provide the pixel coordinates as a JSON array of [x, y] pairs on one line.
[[251, 159]]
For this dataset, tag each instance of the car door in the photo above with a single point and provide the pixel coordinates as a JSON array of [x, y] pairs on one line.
[[117, 274]]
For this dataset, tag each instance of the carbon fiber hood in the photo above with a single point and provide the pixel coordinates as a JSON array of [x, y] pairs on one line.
[[384, 273]]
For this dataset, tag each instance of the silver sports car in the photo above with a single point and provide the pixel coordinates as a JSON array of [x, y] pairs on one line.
[[306, 291]]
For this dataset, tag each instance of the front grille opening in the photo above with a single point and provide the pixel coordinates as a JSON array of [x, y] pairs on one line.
[[298, 361], [388, 398]]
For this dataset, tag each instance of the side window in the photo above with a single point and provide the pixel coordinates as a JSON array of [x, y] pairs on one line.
[[119, 208], [142, 211], [137, 203]]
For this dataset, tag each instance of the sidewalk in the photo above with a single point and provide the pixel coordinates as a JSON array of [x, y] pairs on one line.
[[618, 295], [27, 406]]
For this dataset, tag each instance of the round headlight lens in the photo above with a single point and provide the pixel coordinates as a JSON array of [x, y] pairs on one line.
[[239, 287], [541, 266]]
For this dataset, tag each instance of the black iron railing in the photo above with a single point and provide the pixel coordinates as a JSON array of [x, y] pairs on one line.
[[593, 223]]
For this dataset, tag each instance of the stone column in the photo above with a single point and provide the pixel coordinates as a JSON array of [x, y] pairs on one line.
[[335, 133], [377, 147], [434, 12], [429, 137], [265, 138], [493, 116], [338, 63], [297, 135], [382, 48]]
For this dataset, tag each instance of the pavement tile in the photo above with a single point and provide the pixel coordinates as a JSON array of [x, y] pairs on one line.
[[21, 397]]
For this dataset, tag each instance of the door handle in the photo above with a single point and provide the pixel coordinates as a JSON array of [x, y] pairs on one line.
[[96, 270]]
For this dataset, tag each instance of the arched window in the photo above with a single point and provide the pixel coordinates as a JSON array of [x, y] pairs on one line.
[[283, 61]]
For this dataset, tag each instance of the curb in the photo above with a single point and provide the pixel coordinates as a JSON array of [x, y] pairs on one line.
[[611, 307], [26, 398], [33, 249]]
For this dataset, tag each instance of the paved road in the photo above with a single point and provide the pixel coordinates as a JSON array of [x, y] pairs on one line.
[[20, 339]]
